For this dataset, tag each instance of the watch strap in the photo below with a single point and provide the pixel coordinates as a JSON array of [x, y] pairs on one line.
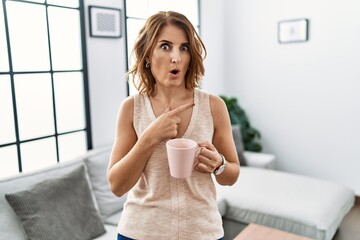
[[221, 168]]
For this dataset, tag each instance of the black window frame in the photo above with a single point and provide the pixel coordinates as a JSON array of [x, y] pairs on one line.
[[84, 71]]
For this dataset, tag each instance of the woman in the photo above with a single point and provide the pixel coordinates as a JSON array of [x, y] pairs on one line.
[[169, 64]]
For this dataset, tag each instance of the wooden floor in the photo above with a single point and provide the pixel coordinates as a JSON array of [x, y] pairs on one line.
[[350, 226]]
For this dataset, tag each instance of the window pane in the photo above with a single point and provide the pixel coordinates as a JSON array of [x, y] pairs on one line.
[[34, 105], [38, 154], [8, 161], [7, 130], [37, 1], [144, 8], [187, 7], [28, 36], [137, 8], [4, 62], [72, 145], [133, 29], [67, 3], [69, 100], [65, 36]]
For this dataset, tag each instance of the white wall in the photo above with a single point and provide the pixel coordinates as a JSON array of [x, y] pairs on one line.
[[303, 97], [212, 34], [106, 69]]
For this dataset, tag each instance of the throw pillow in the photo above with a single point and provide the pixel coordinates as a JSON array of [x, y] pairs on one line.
[[59, 208], [97, 167], [236, 131]]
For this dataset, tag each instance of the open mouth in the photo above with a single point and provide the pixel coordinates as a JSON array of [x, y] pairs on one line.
[[175, 71]]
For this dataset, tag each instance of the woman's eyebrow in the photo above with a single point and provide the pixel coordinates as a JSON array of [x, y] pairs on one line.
[[165, 41]]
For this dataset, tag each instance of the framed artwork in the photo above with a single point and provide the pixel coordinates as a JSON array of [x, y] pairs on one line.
[[104, 22], [291, 31]]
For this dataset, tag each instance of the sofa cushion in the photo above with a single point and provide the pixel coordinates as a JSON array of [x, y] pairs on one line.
[[299, 204], [222, 206], [111, 233], [58, 208], [108, 203], [10, 224], [236, 131], [113, 219]]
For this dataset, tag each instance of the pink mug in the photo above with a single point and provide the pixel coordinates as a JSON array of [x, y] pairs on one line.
[[181, 155]]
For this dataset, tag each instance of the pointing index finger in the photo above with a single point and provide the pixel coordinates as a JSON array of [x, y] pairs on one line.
[[180, 109]]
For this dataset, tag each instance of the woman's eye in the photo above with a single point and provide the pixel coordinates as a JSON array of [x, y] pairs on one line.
[[185, 48], [165, 46]]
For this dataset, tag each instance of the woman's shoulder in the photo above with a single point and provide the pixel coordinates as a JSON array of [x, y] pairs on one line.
[[211, 96], [216, 102], [216, 99], [128, 103], [129, 100], [137, 102]]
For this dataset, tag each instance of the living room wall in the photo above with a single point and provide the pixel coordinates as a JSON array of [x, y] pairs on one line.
[[303, 97], [106, 69]]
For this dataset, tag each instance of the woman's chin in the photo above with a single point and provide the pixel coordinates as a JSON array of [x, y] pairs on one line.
[[174, 83]]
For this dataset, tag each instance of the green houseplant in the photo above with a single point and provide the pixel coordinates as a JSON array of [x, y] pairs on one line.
[[250, 135]]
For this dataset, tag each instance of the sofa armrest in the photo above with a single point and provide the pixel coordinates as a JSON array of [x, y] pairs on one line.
[[261, 160]]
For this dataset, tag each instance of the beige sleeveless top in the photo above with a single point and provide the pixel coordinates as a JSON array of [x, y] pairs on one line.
[[162, 207]]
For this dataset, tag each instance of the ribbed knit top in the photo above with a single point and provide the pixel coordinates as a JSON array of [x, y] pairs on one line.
[[162, 207]]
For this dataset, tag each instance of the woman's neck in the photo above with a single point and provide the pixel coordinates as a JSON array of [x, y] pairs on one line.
[[172, 98]]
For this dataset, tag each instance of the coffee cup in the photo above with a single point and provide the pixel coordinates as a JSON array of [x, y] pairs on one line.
[[181, 155]]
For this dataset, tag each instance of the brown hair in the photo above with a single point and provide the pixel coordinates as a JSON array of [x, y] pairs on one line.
[[145, 44]]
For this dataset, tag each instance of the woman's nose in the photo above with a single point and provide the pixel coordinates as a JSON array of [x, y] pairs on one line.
[[175, 56]]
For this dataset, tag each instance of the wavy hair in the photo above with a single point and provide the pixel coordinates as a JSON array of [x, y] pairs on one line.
[[142, 77]]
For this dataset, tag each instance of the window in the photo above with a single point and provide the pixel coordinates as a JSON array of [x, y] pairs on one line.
[[43, 79], [137, 11]]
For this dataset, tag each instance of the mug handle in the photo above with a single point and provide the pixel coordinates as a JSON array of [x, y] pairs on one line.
[[197, 153]]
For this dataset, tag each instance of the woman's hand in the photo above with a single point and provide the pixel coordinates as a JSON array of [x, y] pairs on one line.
[[130, 153], [166, 125], [208, 158]]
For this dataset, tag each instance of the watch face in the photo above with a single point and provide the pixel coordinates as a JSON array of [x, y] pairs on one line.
[[220, 170]]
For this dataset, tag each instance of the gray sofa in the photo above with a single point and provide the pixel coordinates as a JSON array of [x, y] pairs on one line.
[[107, 206], [293, 203]]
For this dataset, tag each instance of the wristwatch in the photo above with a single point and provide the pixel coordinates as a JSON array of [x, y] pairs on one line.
[[222, 167]]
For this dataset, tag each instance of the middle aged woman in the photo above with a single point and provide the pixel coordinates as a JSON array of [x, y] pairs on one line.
[[169, 64]]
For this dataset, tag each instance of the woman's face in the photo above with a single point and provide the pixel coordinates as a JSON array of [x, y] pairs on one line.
[[170, 58]]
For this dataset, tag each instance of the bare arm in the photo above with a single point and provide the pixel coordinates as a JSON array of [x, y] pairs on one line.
[[209, 158], [130, 154]]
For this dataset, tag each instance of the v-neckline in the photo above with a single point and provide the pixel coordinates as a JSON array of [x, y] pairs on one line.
[[194, 113]]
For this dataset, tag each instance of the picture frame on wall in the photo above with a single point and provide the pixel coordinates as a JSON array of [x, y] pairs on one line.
[[104, 22], [293, 31]]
